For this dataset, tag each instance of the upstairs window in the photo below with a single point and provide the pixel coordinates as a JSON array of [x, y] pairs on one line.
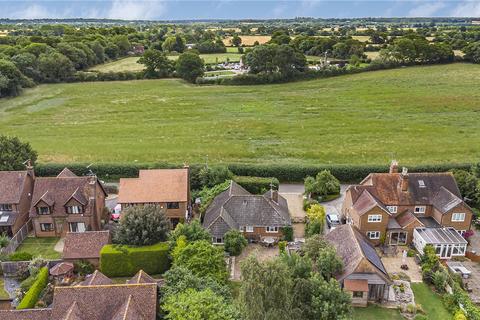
[[249, 228], [392, 209], [458, 217], [374, 218], [43, 210], [74, 209], [5, 207], [173, 205], [420, 209], [373, 235], [271, 229]]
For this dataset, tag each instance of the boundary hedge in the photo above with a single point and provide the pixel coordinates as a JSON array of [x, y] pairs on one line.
[[126, 261], [283, 172], [256, 185], [33, 294]]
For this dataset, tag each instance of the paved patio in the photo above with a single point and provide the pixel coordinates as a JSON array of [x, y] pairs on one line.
[[262, 254], [393, 264], [473, 282]]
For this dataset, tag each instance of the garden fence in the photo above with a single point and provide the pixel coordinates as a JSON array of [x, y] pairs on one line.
[[18, 238]]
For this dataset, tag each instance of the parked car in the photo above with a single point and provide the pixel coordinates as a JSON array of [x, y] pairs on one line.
[[115, 216], [333, 220]]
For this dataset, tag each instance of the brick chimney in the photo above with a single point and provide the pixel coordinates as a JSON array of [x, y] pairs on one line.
[[393, 167], [404, 179], [30, 169]]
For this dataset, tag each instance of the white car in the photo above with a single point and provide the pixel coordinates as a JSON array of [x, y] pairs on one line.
[[333, 221]]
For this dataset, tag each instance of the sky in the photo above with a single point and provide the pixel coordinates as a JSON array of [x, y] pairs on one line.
[[235, 9]]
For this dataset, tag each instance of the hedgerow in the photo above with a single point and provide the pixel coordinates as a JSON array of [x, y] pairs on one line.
[[257, 185], [33, 294], [126, 261]]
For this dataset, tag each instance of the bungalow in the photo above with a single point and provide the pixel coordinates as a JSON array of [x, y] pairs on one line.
[[16, 189], [256, 216], [67, 203], [168, 188], [364, 276], [391, 205]]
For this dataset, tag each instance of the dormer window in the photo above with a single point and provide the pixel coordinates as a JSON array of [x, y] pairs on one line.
[[43, 210], [5, 207], [74, 209], [392, 209]]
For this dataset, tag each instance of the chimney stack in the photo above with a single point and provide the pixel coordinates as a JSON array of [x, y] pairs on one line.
[[394, 167], [30, 170], [404, 179]]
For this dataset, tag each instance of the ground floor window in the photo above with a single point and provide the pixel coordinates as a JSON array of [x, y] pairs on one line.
[[76, 226], [271, 229], [173, 205], [398, 238], [46, 226], [218, 240], [373, 235], [358, 294]]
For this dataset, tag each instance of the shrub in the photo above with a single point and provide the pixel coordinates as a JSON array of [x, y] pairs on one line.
[[35, 265], [4, 240], [287, 232], [439, 278], [20, 256], [126, 261], [83, 267], [257, 185], [323, 185], [307, 203], [192, 231], [282, 247], [411, 253], [32, 295], [27, 283], [211, 176], [459, 315], [420, 317], [234, 242], [208, 194]]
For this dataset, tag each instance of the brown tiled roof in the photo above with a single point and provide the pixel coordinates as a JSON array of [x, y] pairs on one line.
[[356, 285], [83, 245], [141, 277], [73, 313], [11, 185], [96, 279], [107, 301], [366, 201], [61, 268], [57, 191], [405, 219], [128, 311], [26, 314], [159, 185], [66, 173]]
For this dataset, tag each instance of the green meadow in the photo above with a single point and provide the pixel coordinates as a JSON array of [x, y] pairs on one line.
[[417, 115]]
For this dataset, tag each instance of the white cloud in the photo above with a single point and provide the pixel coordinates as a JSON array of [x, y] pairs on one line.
[[34, 11], [426, 9], [135, 10], [466, 9]]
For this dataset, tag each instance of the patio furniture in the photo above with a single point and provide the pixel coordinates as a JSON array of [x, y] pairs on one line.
[[268, 241]]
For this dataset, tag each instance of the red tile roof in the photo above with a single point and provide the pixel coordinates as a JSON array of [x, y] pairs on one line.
[[11, 186], [84, 245]]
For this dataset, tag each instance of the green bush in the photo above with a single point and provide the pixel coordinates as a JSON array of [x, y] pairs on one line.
[[20, 256], [126, 261], [287, 232], [257, 185], [33, 294], [234, 242]]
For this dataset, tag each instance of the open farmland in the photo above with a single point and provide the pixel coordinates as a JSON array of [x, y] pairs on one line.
[[249, 40], [418, 115]]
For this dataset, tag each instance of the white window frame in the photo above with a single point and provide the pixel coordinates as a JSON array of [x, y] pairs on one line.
[[74, 209], [461, 232], [420, 209], [6, 207], [373, 235], [215, 240], [249, 229], [456, 215], [374, 218], [268, 229], [78, 226], [392, 209], [43, 229]]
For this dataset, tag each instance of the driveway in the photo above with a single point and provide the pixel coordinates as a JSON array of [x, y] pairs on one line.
[[293, 193], [335, 206]]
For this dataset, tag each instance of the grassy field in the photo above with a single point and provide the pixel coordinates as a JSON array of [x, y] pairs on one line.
[[417, 115], [249, 40], [3, 293], [374, 312], [431, 302], [40, 247]]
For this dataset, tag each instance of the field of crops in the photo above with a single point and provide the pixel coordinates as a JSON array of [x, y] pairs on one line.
[[417, 115]]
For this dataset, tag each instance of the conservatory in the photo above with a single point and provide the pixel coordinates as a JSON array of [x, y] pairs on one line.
[[447, 242]]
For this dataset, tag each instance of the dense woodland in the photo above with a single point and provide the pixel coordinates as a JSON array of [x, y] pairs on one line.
[[42, 51]]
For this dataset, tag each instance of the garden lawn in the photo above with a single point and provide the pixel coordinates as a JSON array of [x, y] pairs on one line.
[[3, 292], [40, 247], [431, 302], [418, 115], [374, 312]]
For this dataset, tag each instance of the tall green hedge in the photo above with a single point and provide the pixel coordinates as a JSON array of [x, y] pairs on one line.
[[256, 185], [126, 261], [283, 172], [33, 294]]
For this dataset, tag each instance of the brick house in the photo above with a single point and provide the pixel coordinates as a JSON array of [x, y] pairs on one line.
[[256, 216], [364, 276], [168, 188], [67, 203], [16, 189], [391, 205]]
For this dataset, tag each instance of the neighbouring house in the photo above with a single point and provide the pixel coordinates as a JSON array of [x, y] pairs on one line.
[[447, 242], [67, 203], [16, 189], [136, 301], [363, 276], [168, 188], [138, 49], [256, 216], [388, 207], [85, 246]]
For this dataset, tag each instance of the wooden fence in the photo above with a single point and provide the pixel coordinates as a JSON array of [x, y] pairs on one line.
[[18, 238]]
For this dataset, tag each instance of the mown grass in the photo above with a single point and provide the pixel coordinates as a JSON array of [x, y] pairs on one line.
[[431, 302], [374, 312], [417, 115], [40, 247], [3, 293]]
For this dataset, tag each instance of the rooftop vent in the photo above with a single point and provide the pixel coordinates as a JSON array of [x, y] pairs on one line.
[[421, 183]]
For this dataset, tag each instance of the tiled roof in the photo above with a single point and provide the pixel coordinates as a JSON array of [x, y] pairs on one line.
[[26, 314], [11, 185], [83, 245], [159, 185], [445, 200], [405, 219], [73, 313], [61, 268], [366, 201], [429, 222], [107, 301], [66, 173], [141, 277], [128, 311], [96, 279], [8, 218], [352, 247], [236, 207]]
